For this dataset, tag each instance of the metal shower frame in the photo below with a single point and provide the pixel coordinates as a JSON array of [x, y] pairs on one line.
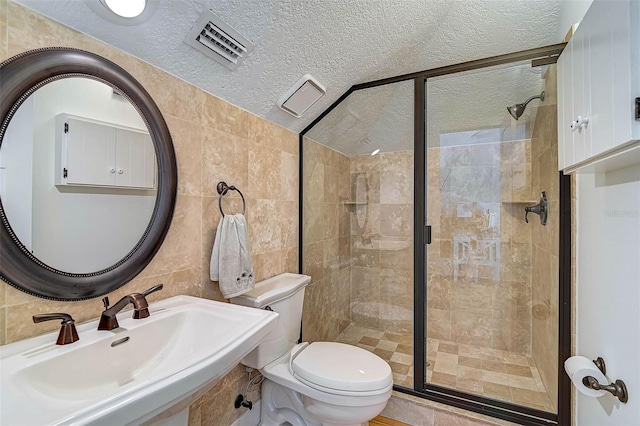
[[480, 404]]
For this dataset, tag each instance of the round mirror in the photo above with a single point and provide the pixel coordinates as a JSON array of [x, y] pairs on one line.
[[87, 175], [77, 175]]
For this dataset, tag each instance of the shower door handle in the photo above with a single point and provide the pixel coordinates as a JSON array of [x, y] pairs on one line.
[[427, 234]]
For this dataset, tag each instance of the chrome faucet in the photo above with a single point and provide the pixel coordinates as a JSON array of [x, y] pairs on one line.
[[108, 320]]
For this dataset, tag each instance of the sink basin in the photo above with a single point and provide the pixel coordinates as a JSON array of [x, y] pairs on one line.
[[130, 374]]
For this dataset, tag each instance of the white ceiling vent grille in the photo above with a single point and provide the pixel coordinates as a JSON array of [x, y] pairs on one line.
[[216, 39]]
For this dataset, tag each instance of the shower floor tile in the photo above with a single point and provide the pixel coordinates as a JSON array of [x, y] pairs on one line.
[[496, 374]]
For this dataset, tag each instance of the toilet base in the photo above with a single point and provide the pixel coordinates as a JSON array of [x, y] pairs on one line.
[[281, 404]]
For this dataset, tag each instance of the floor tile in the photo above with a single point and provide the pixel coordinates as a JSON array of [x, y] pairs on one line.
[[469, 385], [495, 390], [446, 363], [399, 368], [522, 382], [369, 341], [442, 379], [469, 373], [392, 337], [519, 370], [382, 353], [451, 348], [494, 377], [493, 373], [402, 358], [526, 397], [469, 362], [404, 349], [496, 366], [387, 345]]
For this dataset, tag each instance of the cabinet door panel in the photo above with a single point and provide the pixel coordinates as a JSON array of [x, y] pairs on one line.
[[599, 32], [622, 105], [90, 153], [135, 159], [581, 95]]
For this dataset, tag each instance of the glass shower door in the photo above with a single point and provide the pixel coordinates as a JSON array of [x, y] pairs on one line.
[[491, 277]]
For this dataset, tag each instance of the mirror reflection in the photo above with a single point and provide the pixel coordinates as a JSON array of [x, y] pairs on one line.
[[78, 175]]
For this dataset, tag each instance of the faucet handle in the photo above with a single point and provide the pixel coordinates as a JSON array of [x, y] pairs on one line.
[[143, 311], [105, 302], [152, 289], [68, 333]]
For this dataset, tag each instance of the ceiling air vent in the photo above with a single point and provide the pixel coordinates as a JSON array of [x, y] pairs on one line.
[[299, 98], [216, 39]]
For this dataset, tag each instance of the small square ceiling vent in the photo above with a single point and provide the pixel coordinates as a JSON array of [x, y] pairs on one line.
[[299, 98], [216, 39]]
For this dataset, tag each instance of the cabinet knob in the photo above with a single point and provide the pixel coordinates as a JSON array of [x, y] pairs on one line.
[[112, 170], [120, 171], [580, 122]]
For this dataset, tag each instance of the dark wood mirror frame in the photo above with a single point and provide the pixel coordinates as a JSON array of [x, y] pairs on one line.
[[22, 75]]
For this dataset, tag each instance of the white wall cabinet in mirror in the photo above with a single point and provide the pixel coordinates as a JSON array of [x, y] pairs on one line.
[[95, 153]]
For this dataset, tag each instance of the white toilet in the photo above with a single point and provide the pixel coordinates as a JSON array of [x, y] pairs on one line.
[[322, 383]]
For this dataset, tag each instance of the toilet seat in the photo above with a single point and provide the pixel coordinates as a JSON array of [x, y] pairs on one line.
[[340, 369]]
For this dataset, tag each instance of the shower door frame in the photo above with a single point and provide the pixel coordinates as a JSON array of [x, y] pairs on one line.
[[480, 404]]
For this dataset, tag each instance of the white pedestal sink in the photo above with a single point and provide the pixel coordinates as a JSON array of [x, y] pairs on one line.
[[169, 358]]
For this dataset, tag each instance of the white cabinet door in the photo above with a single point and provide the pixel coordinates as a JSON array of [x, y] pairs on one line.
[[581, 97], [574, 100], [90, 153], [565, 108], [135, 159], [607, 29]]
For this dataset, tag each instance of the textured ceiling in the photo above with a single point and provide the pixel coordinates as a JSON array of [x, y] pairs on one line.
[[339, 42]]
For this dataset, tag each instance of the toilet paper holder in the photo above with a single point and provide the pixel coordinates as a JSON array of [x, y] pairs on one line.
[[617, 389]]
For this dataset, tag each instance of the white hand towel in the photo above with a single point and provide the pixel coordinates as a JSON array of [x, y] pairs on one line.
[[231, 262]]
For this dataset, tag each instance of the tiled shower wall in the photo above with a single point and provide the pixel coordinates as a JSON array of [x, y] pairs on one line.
[[545, 261], [382, 241], [214, 141], [327, 255]]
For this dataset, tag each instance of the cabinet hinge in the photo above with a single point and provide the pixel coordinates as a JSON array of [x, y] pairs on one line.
[[64, 173], [637, 109], [66, 127]]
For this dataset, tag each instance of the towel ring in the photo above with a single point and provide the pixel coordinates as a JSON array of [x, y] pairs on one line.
[[222, 189]]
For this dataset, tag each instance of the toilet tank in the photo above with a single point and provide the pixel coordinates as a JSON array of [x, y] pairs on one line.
[[283, 294]]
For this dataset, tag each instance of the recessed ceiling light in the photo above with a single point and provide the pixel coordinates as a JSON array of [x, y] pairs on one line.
[[125, 8], [375, 152]]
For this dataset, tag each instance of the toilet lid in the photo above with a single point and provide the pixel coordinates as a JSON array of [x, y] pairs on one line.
[[341, 367]]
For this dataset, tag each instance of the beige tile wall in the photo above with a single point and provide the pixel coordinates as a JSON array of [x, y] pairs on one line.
[[326, 242], [382, 241], [213, 141], [545, 260]]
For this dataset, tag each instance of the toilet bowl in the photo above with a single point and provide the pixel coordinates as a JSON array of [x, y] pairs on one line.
[[308, 384]]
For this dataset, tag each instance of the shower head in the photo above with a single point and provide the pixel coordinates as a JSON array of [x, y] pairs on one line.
[[518, 109]]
